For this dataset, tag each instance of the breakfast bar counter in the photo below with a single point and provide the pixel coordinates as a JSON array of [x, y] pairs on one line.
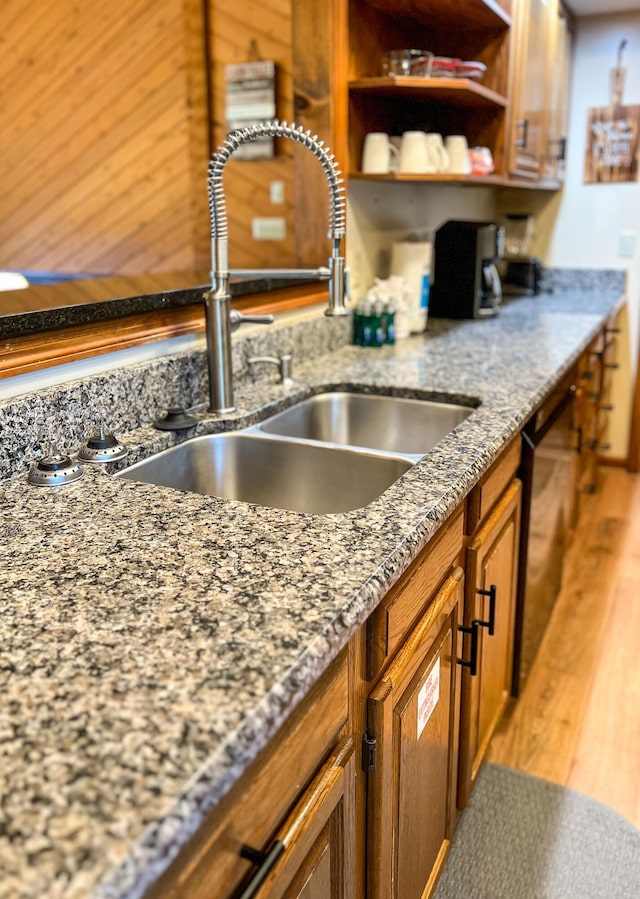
[[153, 641]]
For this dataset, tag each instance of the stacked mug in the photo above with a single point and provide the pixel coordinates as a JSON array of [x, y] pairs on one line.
[[417, 153], [421, 153]]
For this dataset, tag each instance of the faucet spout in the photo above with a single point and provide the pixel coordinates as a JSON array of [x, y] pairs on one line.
[[219, 323]]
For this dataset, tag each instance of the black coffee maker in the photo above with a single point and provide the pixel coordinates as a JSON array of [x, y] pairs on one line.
[[466, 283]]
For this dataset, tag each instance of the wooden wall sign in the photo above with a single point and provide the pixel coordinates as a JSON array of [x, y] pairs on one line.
[[250, 98], [612, 145], [612, 135]]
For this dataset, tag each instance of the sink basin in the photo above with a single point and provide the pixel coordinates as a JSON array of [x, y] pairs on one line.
[[282, 474], [386, 423]]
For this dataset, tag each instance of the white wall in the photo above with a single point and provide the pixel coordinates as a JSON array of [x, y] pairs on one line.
[[590, 217], [379, 213]]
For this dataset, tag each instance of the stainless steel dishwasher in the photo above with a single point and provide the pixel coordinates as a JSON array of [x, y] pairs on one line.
[[548, 471]]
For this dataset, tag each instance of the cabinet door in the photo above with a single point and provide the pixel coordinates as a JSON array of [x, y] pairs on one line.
[[413, 717], [587, 421], [492, 560], [315, 847], [559, 65], [530, 94]]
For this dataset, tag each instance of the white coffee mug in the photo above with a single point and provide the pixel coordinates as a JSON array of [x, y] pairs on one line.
[[435, 141], [458, 149], [417, 156], [378, 154]]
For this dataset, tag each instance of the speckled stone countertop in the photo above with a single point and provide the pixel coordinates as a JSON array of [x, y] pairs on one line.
[[77, 302], [152, 641]]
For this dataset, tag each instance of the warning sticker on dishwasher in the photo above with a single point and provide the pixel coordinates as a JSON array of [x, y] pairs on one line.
[[428, 697]]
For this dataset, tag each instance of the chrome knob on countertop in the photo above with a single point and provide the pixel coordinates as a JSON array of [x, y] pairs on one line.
[[175, 420], [102, 447], [54, 469]]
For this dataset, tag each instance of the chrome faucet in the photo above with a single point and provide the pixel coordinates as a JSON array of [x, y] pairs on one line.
[[221, 319]]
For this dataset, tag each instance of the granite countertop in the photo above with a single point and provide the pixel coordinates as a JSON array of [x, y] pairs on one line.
[[80, 301], [153, 641]]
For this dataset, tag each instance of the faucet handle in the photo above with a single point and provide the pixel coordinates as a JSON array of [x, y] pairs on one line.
[[237, 318], [284, 364]]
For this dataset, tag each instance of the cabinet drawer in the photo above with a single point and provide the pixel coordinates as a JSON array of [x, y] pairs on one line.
[[315, 848], [484, 495], [255, 808], [405, 602]]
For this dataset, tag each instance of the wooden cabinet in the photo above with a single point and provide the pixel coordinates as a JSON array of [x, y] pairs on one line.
[[405, 603], [491, 568], [293, 807], [518, 109], [468, 30], [559, 66], [529, 93], [586, 418], [412, 736], [594, 403], [538, 101]]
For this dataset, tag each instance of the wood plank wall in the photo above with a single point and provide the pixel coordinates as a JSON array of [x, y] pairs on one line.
[[109, 114], [104, 140], [243, 31]]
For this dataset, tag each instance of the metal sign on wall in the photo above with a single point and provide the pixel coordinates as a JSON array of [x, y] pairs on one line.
[[612, 135], [250, 97]]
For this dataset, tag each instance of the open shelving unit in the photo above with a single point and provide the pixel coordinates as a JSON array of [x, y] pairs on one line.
[[460, 29]]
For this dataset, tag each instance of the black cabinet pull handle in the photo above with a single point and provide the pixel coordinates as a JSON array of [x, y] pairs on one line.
[[612, 365], [524, 124], [266, 860], [472, 663], [491, 623], [562, 148], [613, 330]]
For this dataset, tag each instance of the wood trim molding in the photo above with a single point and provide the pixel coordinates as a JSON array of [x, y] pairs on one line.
[[634, 439], [614, 461], [21, 355]]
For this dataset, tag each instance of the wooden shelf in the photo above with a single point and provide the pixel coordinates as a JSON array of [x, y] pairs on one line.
[[462, 180], [533, 183], [474, 180], [484, 15], [455, 91]]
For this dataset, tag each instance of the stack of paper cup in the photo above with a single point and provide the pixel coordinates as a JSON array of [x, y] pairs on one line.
[[411, 260]]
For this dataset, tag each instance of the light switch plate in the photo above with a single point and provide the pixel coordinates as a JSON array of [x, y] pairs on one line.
[[276, 192], [627, 244], [269, 228]]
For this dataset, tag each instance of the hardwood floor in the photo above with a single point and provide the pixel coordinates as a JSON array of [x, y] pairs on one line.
[[577, 722]]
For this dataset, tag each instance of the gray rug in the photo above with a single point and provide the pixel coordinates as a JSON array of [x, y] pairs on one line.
[[525, 838]]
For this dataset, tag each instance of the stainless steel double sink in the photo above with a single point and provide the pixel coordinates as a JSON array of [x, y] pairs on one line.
[[334, 452]]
